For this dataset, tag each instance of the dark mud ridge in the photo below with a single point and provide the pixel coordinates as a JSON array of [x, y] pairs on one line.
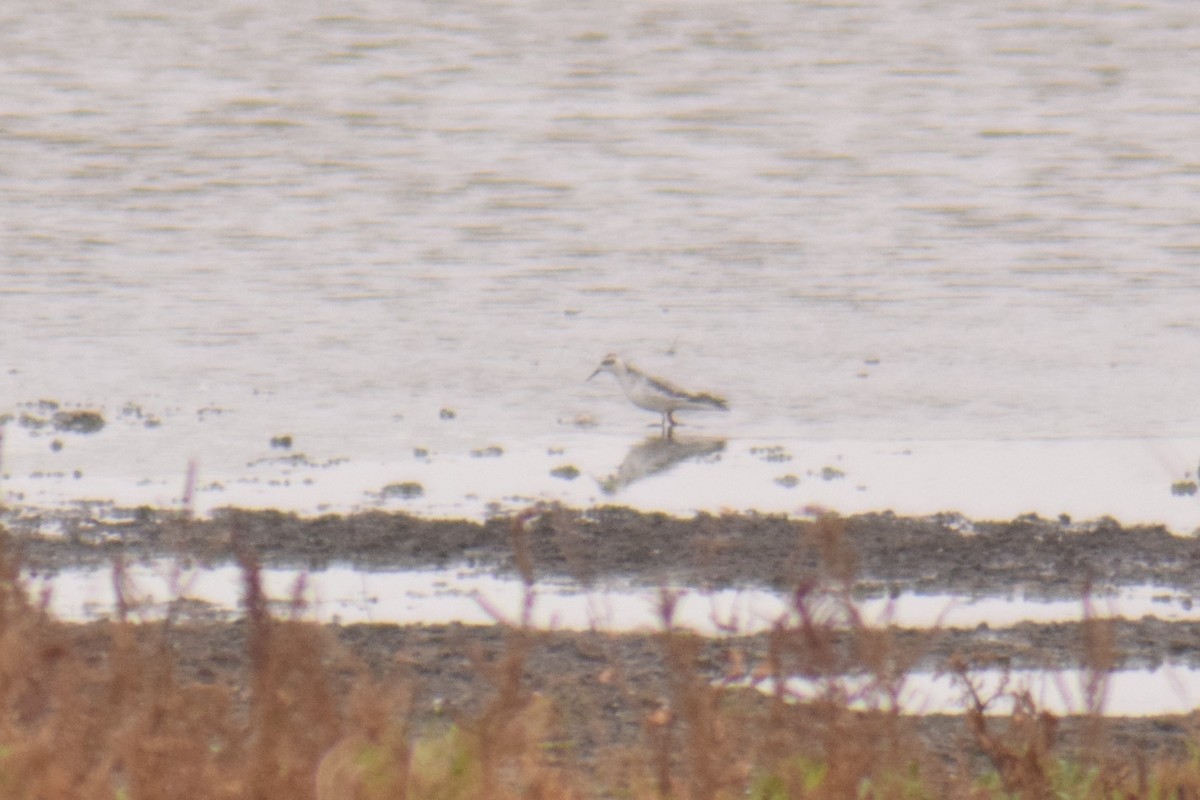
[[877, 553]]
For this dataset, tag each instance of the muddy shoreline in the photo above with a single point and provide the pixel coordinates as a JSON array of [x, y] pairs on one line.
[[607, 683], [603, 687], [866, 556], [880, 553]]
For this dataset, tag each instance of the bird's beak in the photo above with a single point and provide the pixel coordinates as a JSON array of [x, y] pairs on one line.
[[594, 374]]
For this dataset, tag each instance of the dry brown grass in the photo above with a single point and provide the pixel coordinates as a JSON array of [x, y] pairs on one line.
[[307, 720]]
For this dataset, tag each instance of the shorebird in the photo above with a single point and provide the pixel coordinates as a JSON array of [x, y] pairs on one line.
[[655, 394]]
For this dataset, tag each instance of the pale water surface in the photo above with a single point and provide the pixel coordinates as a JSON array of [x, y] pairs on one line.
[[473, 596], [941, 222]]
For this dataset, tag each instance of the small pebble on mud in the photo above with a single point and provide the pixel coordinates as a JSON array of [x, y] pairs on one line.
[[1183, 488], [491, 451], [78, 421], [787, 481], [447, 413], [406, 490], [831, 473], [567, 473], [283, 442]]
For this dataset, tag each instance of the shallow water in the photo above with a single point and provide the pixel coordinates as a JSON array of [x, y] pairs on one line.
[[1165, 690], [941, 256], [915, 221], [704, 469], [465, 594]]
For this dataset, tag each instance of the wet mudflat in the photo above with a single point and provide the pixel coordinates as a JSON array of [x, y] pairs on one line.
[[604, 687], [874, 553], [606, 684]]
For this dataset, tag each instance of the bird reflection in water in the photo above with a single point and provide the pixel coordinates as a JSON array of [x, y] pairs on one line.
[[656, 455]]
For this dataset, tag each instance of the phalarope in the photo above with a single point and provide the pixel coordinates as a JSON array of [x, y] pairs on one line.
[[655, 394]]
